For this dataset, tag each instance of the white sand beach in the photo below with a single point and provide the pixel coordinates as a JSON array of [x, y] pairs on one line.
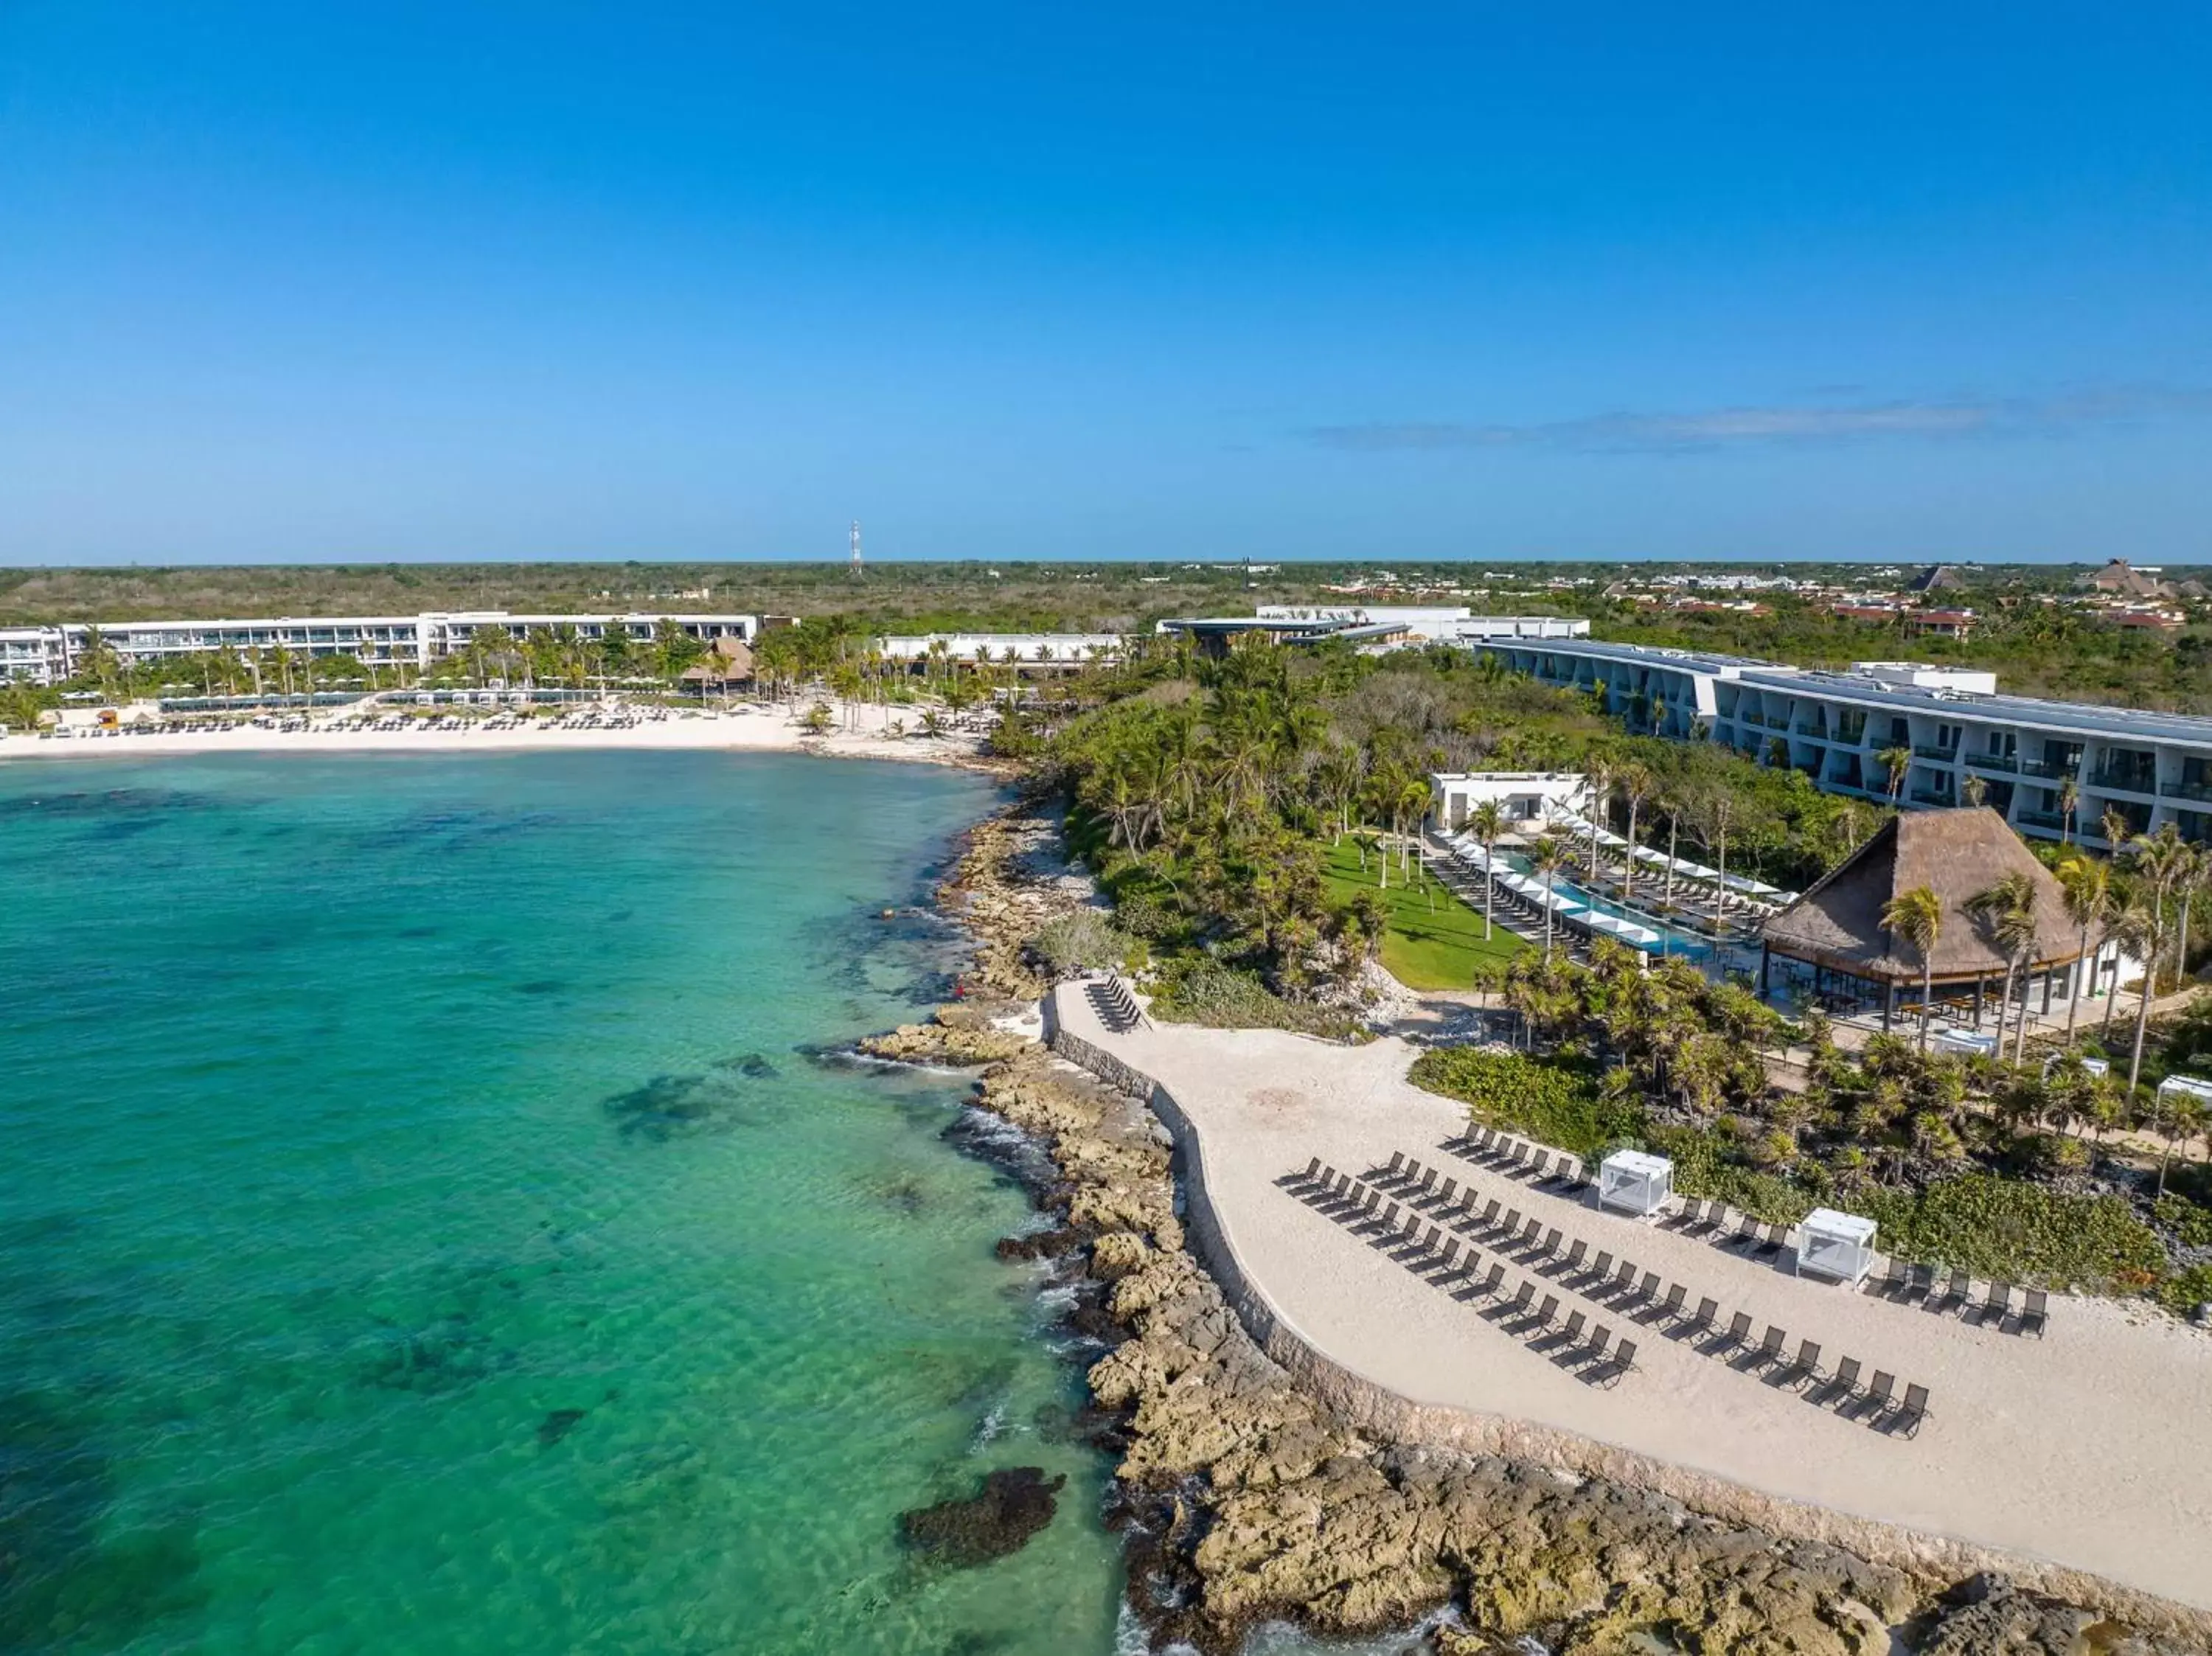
[[2086, 1449], [862, 731]]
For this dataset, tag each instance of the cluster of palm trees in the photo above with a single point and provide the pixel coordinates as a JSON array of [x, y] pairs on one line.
[[2161, 868]]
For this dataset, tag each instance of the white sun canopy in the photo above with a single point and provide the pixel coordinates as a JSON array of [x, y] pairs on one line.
[[1635, 1181], [1837, 1246]]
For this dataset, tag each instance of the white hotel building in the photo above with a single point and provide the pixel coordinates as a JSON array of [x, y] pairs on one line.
[[47, 655], [2153, 768]]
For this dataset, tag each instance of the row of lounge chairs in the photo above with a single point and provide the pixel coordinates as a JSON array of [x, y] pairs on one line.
[[1116, 1007], [1907, 1284], [1625, 1286], [1519, 1156], [1441, 1258]]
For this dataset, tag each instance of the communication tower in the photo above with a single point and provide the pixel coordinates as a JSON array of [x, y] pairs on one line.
[[856, 549]]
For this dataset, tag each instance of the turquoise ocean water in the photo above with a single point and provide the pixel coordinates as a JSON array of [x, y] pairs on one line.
[[420, 1230]]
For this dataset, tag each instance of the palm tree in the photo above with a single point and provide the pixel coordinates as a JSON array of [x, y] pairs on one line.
[[1973, 790], [2142, 929], [2087, 885], [2116, 828], [1599, 775], [1916, 916], [1897, 761], [2069, 796], [2194, 873], [1637, 786], [2007, 909], [1544, 858], [1488, 822]]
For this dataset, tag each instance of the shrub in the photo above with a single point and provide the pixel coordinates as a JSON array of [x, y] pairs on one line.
[[1205, 992], [2001, 1227], [1552, 1102], [1082, 938], [2190, 1224], [1703, 1170], [2184, 1291]]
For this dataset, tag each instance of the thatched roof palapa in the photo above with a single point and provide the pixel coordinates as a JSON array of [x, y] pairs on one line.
[[1957, 854]]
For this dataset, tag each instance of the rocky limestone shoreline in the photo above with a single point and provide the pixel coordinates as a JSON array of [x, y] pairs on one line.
[[1243, 1498]]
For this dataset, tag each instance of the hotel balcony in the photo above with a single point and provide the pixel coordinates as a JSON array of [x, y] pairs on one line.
[[2122, 781], [2054, 820], [2186, 790], [1929, 796], [1994, 762], [2048, 772], [1941, 755]]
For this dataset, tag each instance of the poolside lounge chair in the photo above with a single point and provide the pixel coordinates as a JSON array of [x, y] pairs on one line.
[[1575, 1254], [1912, 1412], [1738, 1331], [1769, 1347], [1649, 1288], [1998, 1305], [2036, 1313], [1671, 1306]]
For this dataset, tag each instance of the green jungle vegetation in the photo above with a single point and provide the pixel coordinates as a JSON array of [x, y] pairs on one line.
[[1971, 1164]]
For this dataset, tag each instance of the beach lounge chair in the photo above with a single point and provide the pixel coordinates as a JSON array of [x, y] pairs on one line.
[[1776, 1236], [1449, 1194], [1428, 1239], [1574, 1328], [1622, 1361], [1769, 1347], [1390, 1217], [1548, 1310], [1512, 1221], [1489, 1284], [1961, 1291], [1707, 1309], [1570, 1171], [1397, 1163], [1671, 1306], [1919, 1283], [1623, 1278], [1601, 1265], [1529, 1231], [1880, 1392], [1412, 1224], [1746, 1232], [1489, 1214], [1517, 1150], [1575, 1254], [1893, 1283], [1738, 1331], [1808, 1365], [1450, 1257], [1312, 1172], [1478, 1138], [1551, 1241], [1846, 1380], [1912, 1412], [1601, 1336], [1540, 1168], [1649, 1288], [1998, 1306], [2036, 1313], [1428, 1178], [1522, 1296]]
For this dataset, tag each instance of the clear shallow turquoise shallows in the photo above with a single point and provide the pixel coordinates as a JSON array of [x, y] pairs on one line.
[[418, 1232]]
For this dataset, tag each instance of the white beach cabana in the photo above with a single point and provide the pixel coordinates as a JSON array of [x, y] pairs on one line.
[[1635, 1181], [2096, 1066], [2194, 1087], [1837, 1246], [1965, 1043]]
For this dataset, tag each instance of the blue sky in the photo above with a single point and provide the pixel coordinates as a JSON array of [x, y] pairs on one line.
[[504, 281]]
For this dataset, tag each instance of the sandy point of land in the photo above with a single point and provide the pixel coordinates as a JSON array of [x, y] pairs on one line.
[[2089, 1449], [861, 731]]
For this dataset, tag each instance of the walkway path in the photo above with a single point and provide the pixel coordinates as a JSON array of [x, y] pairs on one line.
[[2087, 1448]]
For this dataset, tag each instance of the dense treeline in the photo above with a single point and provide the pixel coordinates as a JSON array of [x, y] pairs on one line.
[[1208, 790]]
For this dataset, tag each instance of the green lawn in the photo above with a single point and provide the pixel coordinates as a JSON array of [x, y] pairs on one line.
[[1434, 940]]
